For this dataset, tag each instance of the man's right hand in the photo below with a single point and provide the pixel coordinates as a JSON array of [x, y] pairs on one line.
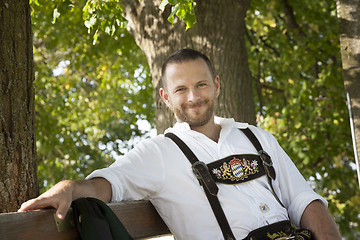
[[61, 195]]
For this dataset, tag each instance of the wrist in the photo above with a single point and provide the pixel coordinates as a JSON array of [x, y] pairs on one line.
[[76, 188]]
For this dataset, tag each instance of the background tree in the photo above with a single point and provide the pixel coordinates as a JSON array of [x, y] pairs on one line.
[[158, 38], [18, 181], [349, 15]]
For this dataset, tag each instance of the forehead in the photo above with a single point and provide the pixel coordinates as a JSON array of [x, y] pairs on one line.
[[194, 70]]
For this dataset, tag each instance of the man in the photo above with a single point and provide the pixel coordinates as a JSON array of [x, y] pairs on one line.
[[156, 169]]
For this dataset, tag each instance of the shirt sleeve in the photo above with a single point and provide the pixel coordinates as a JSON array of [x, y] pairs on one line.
[[137, 175], [290, 186]]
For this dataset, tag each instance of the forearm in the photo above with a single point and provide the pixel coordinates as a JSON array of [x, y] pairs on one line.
[[63, 193], [317, 218], [97, 188]]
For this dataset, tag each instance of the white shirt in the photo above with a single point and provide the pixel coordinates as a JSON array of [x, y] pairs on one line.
[[156, 169]]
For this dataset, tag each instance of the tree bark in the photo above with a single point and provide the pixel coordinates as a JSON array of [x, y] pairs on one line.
[[219, 33], [18, 180], [349, 24]]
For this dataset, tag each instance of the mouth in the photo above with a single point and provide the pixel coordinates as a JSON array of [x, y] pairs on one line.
[[194, 107]]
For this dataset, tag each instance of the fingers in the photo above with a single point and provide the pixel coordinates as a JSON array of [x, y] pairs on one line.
[[62, 206], [62, 209], [59, 197], [36, 203]]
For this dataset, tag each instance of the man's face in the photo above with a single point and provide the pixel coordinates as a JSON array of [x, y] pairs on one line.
[[191, 92]]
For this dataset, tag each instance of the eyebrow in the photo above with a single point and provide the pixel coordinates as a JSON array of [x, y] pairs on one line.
[[178, 86]]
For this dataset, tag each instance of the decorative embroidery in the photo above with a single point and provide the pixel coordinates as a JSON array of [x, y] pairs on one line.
[[276, 235], [236, 169]]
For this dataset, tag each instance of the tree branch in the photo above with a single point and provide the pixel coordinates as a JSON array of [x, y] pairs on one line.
[[290, 19]]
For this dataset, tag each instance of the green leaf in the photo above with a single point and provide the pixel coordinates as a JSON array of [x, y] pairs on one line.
[[56, 14], [95, 37], [163, 5], [36, 2], [190, 20], [174, 10]]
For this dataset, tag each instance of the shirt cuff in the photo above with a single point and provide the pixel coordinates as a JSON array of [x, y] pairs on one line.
[[297, 207], [110, 178]]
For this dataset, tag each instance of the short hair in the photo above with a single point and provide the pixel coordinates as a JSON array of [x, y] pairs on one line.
[[183, 55]]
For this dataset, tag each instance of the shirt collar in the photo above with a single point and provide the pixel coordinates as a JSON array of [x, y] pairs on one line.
[[226, 125]]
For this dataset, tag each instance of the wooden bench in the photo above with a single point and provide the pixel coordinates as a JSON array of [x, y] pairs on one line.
[[139, 217]]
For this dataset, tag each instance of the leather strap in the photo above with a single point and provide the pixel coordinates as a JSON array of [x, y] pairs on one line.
[[201, 172], [270, 171]]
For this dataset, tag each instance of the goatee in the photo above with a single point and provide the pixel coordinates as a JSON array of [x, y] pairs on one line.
[[200, 119]]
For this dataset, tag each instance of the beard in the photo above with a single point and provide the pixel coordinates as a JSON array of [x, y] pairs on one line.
[[196, 118]]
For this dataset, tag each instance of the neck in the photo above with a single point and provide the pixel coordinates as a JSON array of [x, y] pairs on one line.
[[211, 130]]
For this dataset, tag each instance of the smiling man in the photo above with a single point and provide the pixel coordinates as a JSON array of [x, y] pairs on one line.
[[191, 92], [257, 191]]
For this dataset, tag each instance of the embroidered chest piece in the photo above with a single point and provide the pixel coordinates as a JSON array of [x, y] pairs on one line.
[[237, 169]]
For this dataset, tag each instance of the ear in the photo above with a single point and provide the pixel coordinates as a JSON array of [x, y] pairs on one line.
[[165, 97], [217, 85]]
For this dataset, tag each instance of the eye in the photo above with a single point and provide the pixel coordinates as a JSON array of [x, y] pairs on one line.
[[202, 84], [179, 90]]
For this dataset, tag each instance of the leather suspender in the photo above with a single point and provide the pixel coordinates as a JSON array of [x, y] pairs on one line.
[[211, 189], [201, 172], [268, 165]]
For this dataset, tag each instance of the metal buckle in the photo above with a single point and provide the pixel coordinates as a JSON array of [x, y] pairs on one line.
[[196, 171], [202, 173], [264, 156]]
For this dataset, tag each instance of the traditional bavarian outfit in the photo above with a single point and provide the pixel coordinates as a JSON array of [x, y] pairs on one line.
[[157, 169]]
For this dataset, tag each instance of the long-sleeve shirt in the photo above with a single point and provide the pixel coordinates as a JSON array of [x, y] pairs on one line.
[[157, 170]]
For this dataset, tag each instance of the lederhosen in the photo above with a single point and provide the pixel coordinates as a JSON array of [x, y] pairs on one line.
[[237, 169]]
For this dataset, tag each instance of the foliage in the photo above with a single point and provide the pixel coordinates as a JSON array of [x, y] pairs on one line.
[[183, 9], [89, 96], [295, 60], [103, 16], [294, 56]]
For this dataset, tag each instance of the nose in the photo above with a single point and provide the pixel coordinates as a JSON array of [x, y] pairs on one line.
[[193, 95]]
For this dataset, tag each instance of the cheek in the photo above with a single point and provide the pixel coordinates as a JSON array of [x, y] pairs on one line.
[[176, 100], [171, 103]]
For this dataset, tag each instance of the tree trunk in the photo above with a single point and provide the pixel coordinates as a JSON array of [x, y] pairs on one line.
[[349, 24], [18, 181], [219, 33]]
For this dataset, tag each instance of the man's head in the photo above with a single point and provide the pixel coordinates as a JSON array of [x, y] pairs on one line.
[[182, 56], [191, 87]]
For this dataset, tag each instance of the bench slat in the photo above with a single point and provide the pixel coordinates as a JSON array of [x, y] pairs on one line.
[[139, 217]]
